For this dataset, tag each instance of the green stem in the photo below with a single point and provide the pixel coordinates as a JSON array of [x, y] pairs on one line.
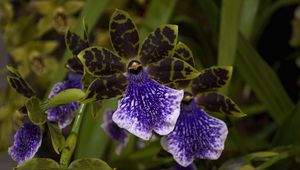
[[281, 156], [70, 145]]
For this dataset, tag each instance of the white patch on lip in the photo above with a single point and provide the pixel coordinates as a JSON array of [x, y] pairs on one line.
[[148, 106]]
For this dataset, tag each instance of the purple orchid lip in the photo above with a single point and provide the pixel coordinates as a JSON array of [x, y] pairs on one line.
[[27, 141], [65, 113], [147, 106], [196, 135]]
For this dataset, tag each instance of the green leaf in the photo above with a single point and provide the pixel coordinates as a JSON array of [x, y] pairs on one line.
[[99, 61], [158, 12], [292, 125], [123, 34], [211, 79], [263, 80], [172, 69], [18, 83], [218, 103], [106, 87], [159, 44], [38, 164], [236, 164], [35, 112], [75, 43], [57, 139], [229, 31], [89, 164], [249, 13], [184, 53]]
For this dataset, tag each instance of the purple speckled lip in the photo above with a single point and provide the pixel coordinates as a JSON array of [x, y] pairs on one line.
[[27, 141], [147, 106], [196, 135], [65, 113]]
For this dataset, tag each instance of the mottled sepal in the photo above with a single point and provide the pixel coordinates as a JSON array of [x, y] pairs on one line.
[[27, 141], [99, 61], [218, 103], [147, 106], [123, 34], [106, 87], [211, 78], [75, 43], [74, 65], [184, 53], [196, 135], [172, 69], [18, 83], [35, 112], [159, 44]]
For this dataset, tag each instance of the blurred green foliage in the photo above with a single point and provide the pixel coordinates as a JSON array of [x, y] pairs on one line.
[[219, 32]]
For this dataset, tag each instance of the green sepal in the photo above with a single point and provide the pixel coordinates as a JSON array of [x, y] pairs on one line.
[[67, 96], [75, 43], [99, 61], [96, 108], [18, 83], [89, 164], [171, 70], [218, 103], [159, 44], [211, 79], [106, 87], [57, 139], [184, 53], [35, 112], [123, 34], [38, 164]]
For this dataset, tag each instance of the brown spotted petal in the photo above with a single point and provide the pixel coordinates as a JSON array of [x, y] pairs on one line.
[[218, 103], [123, 34], [171, 70], [184, 53], [75, 43], [211, 78], [106, 87], [73, 64], [159, 44], [99, 61], [18, 83]]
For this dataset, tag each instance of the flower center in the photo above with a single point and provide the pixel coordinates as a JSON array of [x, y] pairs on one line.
[[135, 71], [134, 67], [187, 102]]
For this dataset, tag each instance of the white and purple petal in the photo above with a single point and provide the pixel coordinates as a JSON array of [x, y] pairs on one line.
[[196, 135], [27, 141], [65, 113], [147, 106], [114, 131]]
